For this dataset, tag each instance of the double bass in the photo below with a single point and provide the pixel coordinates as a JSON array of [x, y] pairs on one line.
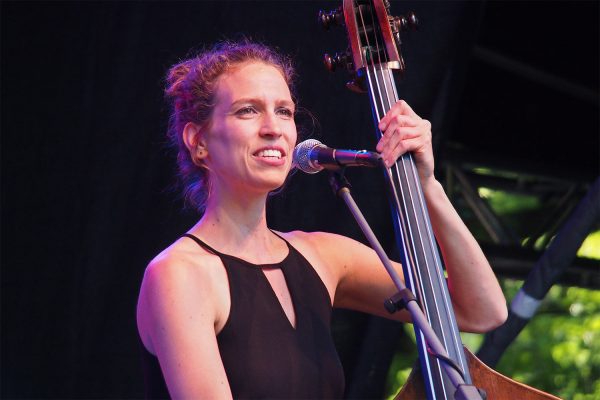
[[373, 57]]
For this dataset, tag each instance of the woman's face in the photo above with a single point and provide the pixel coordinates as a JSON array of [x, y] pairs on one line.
[[252, 133]]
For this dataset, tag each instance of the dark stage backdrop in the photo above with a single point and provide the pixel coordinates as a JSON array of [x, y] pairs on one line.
[[86, 174]]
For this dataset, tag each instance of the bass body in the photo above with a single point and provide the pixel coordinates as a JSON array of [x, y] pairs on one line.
[[495, 385]]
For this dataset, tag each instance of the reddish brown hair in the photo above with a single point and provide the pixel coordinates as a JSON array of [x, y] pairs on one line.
[[190, 88]]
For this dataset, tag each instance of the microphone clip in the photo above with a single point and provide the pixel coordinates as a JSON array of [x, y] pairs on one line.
[[338, 180]]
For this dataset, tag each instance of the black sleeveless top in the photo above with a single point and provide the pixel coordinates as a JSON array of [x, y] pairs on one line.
[[264, 356]]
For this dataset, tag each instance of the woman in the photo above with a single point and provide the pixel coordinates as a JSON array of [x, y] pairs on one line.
[[233, 309]]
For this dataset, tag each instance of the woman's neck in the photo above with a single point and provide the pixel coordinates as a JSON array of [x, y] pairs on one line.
[[236, 225]]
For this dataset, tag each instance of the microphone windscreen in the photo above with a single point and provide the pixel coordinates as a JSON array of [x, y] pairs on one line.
[[301, 157]]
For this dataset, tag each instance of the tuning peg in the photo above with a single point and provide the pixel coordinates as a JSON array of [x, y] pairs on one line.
[[410, 22], [357, 85], [402, 23], [331, 18], [338, 60]]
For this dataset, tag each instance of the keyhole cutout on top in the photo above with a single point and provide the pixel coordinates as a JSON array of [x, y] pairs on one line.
[[278, 283]]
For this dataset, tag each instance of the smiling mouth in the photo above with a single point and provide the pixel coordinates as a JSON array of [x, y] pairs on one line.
[[269, 153]]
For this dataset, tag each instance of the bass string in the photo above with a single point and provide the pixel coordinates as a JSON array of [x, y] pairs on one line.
[[428, 367], [439, 292], [409, 168], [407, 182], [385, 104]]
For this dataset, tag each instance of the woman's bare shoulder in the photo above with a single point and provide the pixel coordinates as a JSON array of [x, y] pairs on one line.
[[181, 259], [330, 250], [181, 279], [320, 241], [183, 271], [313, 237]]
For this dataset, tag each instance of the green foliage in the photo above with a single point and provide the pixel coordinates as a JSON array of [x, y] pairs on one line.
[[515, 209], [504, 203], [590, 247], [559, 349], [557, 352]]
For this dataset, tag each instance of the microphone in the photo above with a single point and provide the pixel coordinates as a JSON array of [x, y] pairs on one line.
[[312, 156]]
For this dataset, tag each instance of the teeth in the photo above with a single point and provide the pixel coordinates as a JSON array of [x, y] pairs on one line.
[[269, 153]]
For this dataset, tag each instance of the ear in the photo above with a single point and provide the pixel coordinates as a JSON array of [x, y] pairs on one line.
[[194, 141]]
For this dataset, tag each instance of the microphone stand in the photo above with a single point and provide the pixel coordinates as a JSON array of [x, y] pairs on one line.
[[405, 298]]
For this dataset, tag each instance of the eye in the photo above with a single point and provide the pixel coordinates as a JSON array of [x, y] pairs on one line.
[[286, 112], [246, 111]]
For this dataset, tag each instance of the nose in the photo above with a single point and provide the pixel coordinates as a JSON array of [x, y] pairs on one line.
[[270, 127]]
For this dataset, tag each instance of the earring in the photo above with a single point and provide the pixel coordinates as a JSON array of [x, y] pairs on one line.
[[196, 157]]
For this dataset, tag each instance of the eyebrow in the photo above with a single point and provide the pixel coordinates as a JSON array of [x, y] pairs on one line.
[[284, 102]]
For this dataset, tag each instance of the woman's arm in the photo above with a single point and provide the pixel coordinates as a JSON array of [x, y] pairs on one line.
[[477, 298], [176, 319], [479, 304], [352, 272]]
